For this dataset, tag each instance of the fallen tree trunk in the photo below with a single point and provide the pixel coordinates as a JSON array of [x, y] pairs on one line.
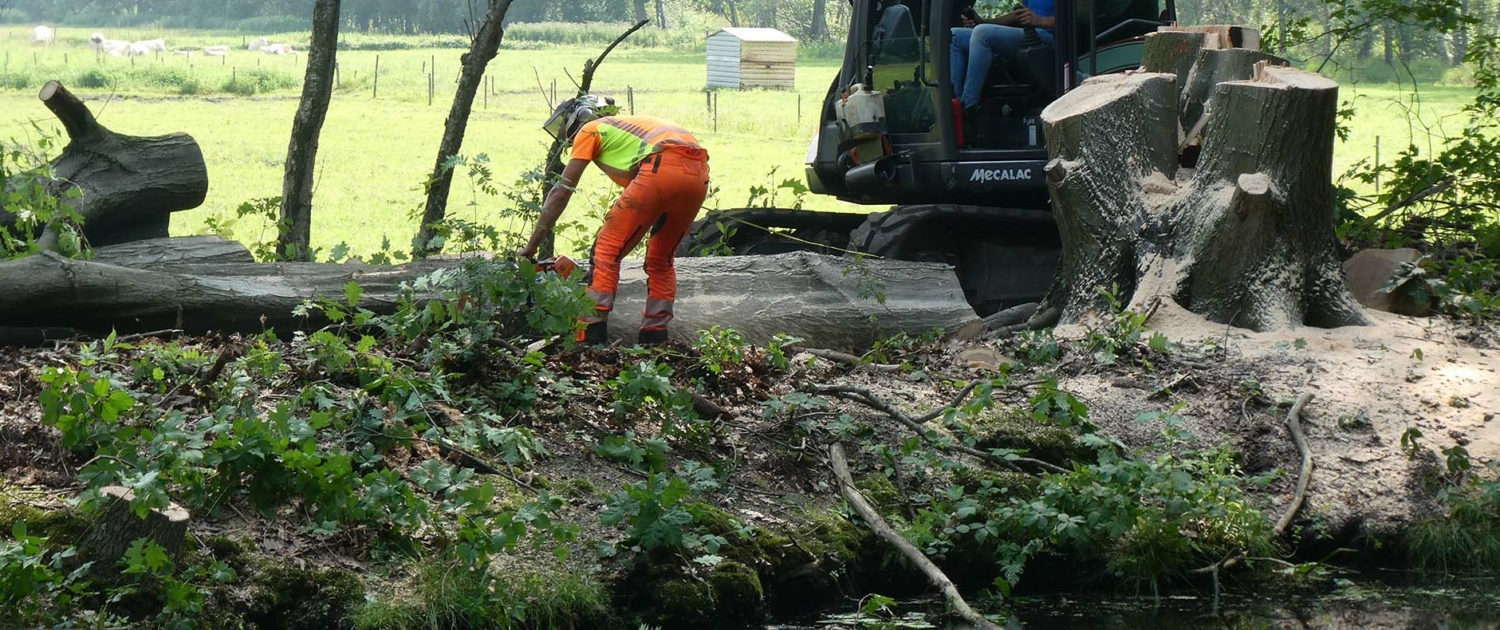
[[1246, 238], [208, 284], [127, 186]]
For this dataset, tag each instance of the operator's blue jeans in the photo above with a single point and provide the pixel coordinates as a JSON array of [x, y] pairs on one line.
[[974, 49]]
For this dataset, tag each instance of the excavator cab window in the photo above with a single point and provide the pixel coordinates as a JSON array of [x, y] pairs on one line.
[[899, 66]]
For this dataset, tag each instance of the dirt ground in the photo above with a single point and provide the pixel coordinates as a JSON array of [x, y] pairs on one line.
[[1370, 384]]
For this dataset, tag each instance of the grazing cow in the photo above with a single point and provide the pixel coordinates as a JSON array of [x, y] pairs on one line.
[[216, 51], [264, 45], [42, 35], [114, 47], [152, 45]]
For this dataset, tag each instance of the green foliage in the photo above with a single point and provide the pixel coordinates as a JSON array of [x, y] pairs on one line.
[[649, 455], [1121, 333], [266, 212], [444, 594], [36, 585], [655, 511], [719, 348], [1465, 286], [646, 387], [27, 183], [1465, 533], [767, 196]]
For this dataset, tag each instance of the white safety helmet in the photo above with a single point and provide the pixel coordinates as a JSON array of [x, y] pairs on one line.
[[572, 114]]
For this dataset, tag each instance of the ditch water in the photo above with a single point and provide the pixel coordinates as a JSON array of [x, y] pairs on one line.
[[1387, 600]]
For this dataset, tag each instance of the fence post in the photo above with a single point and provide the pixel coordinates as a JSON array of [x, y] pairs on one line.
[[708, 100], [65, 59], [799, 110], [1377, 164], [429, 88], [233, 76], [716, 112], [630, 98], [375, 93]]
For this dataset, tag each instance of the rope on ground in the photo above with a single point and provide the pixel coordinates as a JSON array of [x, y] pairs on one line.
[[1294, 425], [882, 529], [869, 399]]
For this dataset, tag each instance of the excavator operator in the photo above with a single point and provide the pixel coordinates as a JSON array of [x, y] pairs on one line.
[[981, 41], [665, 175]]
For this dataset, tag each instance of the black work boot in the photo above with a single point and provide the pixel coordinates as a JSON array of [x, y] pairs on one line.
[[651, 337], [595, 334]]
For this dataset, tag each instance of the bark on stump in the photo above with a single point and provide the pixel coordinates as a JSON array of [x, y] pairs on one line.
[[1240, 231], [128, 185], [117, 528]]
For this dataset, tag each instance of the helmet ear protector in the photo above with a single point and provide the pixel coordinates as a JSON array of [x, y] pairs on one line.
[[572, 114]]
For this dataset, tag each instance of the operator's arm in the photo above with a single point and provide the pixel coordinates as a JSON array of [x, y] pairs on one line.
[[553, 207]]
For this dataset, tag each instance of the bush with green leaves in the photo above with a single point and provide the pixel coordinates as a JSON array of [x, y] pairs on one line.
[[28, 205], [655, 512], [37, 586]]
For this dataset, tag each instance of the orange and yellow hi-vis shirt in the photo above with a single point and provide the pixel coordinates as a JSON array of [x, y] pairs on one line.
[[623, 142]]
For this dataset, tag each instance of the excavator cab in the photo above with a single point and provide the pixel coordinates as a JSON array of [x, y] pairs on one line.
[[891, 127], [968, 191]]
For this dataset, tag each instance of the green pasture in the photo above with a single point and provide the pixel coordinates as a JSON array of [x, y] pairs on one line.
[[380, 139]]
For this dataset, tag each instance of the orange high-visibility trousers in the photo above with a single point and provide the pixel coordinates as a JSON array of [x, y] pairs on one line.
[[662, 200]]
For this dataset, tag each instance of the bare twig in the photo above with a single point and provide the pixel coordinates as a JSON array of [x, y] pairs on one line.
[[864, 396], [958, 401], [1294, 425], [882, 529]]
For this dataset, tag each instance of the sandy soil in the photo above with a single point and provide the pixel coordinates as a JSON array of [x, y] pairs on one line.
[[1369, 384]]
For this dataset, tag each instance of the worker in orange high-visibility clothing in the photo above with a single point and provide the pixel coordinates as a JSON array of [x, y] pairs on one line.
[[665, 175]]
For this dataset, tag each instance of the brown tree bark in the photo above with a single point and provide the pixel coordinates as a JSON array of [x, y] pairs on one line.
[[1246, 238], [818, 29], [117, 528], [128, 185], [302, 151], [640, 10], [483, 47], [661, 14]]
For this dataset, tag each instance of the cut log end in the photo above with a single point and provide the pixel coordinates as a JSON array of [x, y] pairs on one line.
[[76, 118], [118, 527]]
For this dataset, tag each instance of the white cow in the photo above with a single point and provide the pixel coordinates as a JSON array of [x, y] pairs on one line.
[[264, 45], [115, 47], [216, 51], [42, 35], [152, 45]]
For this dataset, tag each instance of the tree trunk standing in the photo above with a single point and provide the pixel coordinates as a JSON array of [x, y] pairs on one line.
[[1461, 37], [1390, 44], [118, 528], [128, 185], [1244, 239], [734, 14], [640, 10], [661, 14], [302, 152], [482, 49], [819, 28]]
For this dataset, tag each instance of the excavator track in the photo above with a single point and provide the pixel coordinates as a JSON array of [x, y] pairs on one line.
[[1003, 256]]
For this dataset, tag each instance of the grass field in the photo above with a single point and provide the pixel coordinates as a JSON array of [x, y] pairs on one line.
[[376, 149]]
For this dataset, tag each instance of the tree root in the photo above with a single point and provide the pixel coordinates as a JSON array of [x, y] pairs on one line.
[[1294, 425], [1042, 318], [882, 529], [846, 359], [865, 397]]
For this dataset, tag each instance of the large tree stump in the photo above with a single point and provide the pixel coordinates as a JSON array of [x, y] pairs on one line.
[[128, 185], [1241, 230], [118, 527]]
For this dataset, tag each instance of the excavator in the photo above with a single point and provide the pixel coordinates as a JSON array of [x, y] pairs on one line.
[[966, 190]]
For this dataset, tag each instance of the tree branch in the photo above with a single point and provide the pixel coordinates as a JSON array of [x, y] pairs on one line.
[[882, 529], [865, 397], [1294, 425]]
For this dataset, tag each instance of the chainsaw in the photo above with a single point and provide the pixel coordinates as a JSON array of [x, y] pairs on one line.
[[561, 265]]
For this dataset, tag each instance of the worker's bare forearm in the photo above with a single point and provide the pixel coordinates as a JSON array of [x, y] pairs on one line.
[[552, 209]]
